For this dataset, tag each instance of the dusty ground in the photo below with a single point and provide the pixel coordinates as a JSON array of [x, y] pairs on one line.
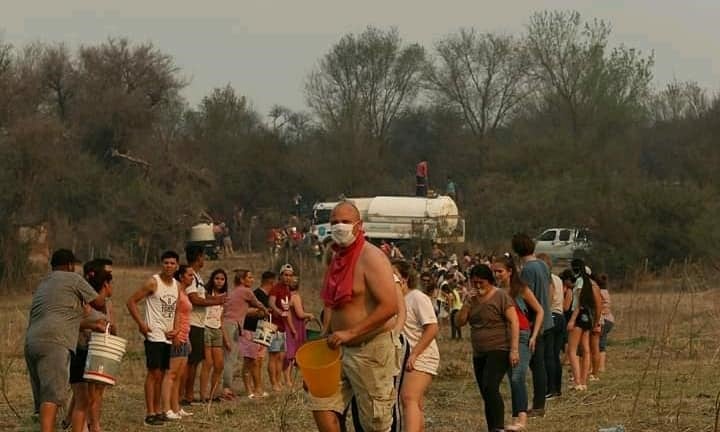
[[664, 356]]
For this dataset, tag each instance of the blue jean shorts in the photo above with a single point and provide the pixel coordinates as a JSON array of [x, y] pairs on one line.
[[180, 350], [278, 343]]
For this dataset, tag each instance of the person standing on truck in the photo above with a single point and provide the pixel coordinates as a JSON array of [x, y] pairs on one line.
[[451, 188], [421, 177]]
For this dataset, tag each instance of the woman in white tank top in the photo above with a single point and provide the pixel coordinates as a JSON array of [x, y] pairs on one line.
[[216, 342]]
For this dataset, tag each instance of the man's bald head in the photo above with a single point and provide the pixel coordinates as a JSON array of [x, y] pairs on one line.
[[345, 212]]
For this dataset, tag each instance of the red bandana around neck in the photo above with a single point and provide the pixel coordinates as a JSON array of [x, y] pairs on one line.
[[338, 287]]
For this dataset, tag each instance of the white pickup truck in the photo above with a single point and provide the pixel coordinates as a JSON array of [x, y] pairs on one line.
[[562, 243]]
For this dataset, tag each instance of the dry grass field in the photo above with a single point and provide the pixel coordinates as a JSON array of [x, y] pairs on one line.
[[663, 359]]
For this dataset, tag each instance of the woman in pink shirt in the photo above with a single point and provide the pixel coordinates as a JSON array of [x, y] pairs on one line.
[[180, 348], [296, 337], [236, 309]]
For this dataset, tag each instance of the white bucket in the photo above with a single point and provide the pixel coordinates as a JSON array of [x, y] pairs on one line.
[[105, 352], [264, 332]]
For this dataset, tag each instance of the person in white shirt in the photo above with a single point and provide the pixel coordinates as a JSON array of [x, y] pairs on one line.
[[160, 293], [195, 256], [423, 360], [216, 342]]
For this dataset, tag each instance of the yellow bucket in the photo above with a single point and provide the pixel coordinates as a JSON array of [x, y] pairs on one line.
[[320, 367]]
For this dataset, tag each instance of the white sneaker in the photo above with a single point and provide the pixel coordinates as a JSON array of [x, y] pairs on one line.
[[184, 413], [172, 415]]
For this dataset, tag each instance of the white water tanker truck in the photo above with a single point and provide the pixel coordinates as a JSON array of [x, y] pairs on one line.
[[397, 218]]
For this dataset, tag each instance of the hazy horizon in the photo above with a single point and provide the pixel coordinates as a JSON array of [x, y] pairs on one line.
[[265, 50]]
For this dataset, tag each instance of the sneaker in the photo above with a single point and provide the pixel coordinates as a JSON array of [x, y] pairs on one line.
[[162, 416], [550, 396], [184, 413], [593, 378], [153, 420], [170, 415]]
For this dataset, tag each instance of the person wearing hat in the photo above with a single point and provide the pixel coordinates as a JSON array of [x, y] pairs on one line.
[[58, 308], [280, 305]]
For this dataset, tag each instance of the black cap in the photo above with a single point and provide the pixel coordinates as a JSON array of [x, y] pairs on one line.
[[63, 257]]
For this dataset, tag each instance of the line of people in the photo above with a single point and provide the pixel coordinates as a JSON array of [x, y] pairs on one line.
[[188, 324], [379, 312], [554, 314]]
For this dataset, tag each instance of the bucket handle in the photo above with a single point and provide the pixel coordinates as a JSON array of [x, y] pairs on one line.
[[107, 332]]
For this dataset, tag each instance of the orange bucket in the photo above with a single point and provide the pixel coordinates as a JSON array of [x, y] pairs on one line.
[[320, 367]]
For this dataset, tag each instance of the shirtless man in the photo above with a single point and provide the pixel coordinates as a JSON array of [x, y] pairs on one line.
[[361, 295]]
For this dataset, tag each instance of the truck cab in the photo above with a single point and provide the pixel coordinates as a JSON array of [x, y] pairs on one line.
[[562, 243]]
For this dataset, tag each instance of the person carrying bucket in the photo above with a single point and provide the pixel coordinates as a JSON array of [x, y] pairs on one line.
[[160, 293], [84, 411], [359, 291], [58, 307]]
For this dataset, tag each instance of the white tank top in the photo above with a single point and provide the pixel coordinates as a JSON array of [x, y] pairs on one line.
[[160, 310]]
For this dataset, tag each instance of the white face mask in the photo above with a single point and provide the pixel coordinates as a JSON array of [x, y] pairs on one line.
[[342, 234]]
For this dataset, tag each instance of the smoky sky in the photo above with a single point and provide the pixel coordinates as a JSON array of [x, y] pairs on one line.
[[265, 49]]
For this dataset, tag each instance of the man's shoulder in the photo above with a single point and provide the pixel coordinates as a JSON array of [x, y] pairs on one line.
[[535, 266], [63, 277], [371, 252]]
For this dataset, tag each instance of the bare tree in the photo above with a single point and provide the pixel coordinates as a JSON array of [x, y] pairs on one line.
[[679, 100], [484, 76], [364, 81], [6, 60], [59, 77], [291, 126], [572, 68]]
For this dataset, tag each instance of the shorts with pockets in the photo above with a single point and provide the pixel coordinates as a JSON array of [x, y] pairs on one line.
[[49, 369], [179, 351], [277, 344], [368, 373], [157, 355], [213, 337]]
